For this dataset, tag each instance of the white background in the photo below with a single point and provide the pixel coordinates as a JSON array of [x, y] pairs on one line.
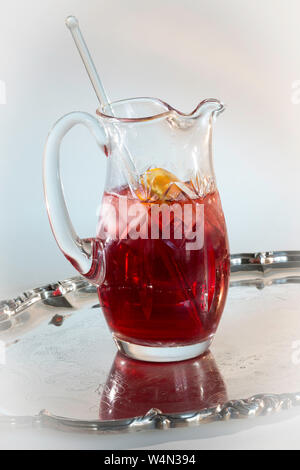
[[245, 52]]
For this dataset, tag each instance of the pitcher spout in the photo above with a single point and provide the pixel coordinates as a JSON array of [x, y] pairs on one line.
[[207, 109]]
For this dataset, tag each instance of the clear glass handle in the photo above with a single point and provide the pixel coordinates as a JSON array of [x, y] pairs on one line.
[[86, 255]]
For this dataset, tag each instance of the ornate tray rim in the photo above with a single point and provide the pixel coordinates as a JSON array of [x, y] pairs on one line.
[[258, 269]]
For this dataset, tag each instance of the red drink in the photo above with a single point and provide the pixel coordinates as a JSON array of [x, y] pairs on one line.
[[156, 291]]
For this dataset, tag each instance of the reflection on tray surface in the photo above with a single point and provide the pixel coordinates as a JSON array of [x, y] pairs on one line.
[[133, 387]]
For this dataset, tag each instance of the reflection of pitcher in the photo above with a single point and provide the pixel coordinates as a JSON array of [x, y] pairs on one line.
[[160, 256], [134, 387]]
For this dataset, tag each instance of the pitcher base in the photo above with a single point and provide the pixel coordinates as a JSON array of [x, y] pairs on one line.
[[162, 354]]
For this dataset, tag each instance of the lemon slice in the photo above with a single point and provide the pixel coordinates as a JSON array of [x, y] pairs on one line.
[[158, 184]]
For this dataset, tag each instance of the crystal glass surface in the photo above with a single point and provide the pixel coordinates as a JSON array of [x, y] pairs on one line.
[[160, 255]]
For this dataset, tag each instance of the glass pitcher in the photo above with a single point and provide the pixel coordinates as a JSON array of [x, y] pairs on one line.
[[160, 255]]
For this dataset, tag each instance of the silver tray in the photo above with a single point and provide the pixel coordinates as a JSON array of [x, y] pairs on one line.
[[58, 356]]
